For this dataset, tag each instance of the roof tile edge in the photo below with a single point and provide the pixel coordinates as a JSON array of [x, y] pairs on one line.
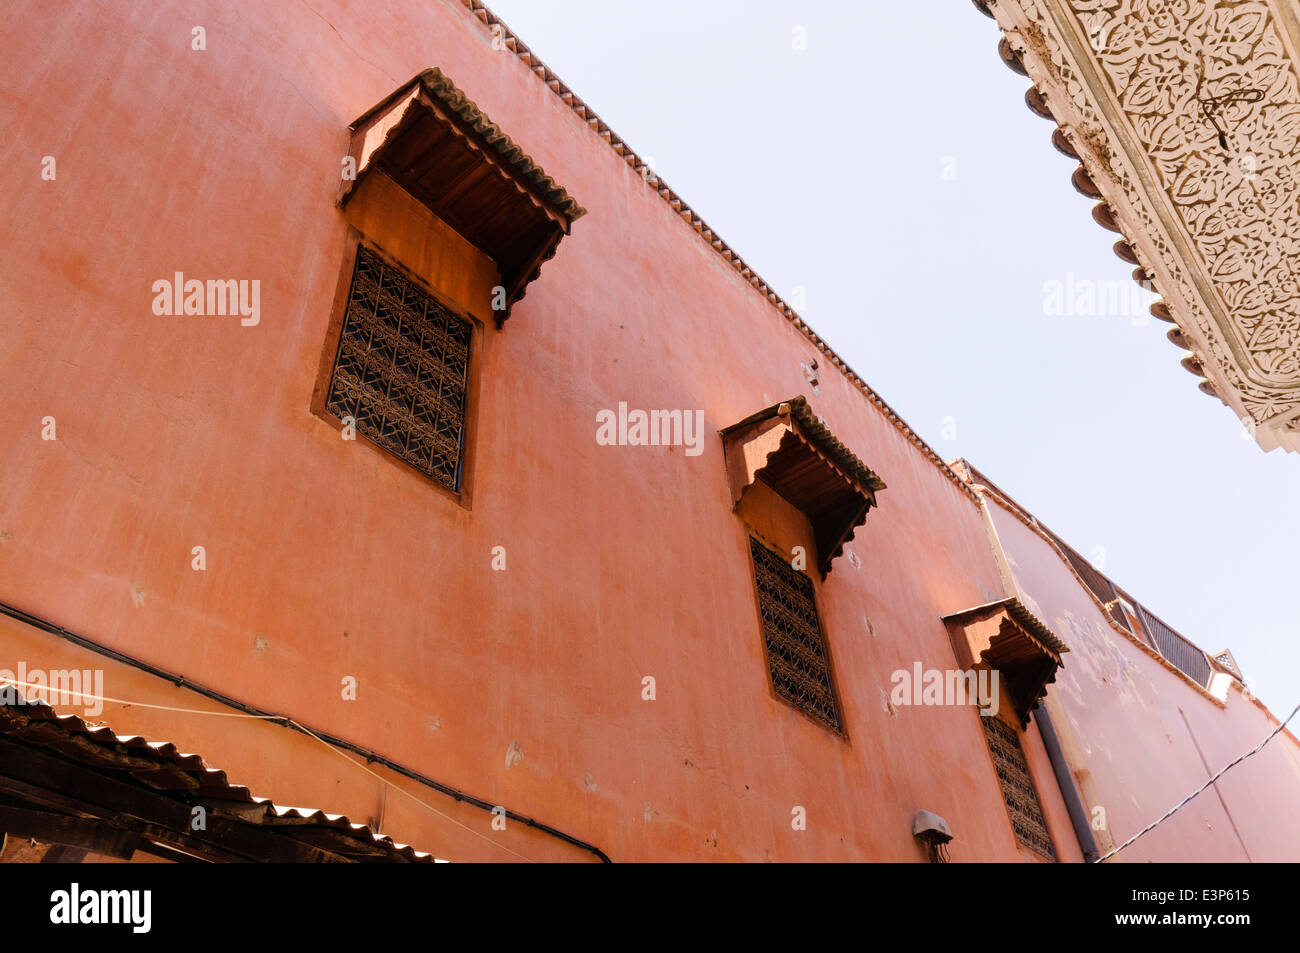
[[566, 95]]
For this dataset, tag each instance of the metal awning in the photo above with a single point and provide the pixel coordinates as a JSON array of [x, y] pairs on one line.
[[84, 789]]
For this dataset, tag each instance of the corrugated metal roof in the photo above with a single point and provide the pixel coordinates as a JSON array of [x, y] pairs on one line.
[[168, 772]]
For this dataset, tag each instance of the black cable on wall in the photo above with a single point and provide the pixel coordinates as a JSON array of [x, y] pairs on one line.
[[283, 720]]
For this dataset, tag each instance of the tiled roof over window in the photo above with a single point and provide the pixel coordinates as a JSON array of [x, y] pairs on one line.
[[438, 146], [790, 449], [1007, 637]]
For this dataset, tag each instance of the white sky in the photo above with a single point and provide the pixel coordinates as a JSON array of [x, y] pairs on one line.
[[825, 169]]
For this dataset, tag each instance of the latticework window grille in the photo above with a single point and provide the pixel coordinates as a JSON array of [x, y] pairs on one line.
[[402, 370], [1185, 656], [796, 649], [1018, 787]]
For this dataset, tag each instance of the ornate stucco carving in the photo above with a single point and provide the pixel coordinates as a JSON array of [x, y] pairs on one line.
[[1186, 114]]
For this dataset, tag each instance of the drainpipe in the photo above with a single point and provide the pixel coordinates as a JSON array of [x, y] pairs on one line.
[[1065, 781]]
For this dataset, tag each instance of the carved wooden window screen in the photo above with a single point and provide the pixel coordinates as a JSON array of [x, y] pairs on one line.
[[402, 370], [1018, 787], [796, 650]]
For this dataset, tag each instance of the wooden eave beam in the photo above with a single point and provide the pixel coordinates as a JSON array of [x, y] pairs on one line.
[[517, 281], [91, 834], [827, 552]]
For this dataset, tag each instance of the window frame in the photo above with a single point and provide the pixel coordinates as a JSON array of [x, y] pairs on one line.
[[355, 240], [1018, 735], [841, 732]]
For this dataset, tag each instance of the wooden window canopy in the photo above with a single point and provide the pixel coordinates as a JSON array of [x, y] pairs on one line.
[[1009, 638], [438, 146], [791, 450]]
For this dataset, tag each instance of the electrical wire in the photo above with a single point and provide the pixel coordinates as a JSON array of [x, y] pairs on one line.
[[40, 690], [1170, 813], [370, 755]]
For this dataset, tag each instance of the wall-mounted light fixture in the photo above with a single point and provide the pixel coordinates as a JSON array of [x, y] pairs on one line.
[[932, 831]]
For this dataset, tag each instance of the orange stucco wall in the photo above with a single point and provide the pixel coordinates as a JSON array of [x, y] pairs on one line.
[[325, 560]]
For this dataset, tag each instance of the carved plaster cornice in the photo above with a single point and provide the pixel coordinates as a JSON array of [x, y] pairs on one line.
[[1185, 115]]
